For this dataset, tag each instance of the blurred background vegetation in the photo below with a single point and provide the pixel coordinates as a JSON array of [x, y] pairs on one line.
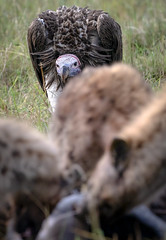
[[143, 25]]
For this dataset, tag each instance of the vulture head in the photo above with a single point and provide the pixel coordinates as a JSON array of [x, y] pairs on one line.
[[67, 65], [62, 42]]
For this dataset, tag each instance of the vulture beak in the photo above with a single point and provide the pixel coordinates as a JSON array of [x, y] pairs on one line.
[[65, 73]]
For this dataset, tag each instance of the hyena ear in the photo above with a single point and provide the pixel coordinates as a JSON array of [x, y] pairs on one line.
[[120, 151]]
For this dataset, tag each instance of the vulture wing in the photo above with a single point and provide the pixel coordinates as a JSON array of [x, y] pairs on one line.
[[40, 43], [105, 37], [111, 37]]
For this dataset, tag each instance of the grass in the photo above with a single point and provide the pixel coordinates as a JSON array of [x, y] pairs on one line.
[[144, 42], [143, 25]]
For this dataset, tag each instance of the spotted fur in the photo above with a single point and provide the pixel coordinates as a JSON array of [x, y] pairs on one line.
[[132, 170], [89, 115], [30, 172]]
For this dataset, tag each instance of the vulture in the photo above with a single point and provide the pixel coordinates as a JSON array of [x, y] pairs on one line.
[[62, 42], [89, 115]]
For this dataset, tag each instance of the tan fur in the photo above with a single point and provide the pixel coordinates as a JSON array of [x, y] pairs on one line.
[[26, 158], [93, 107], [144, 164], [28, 163]]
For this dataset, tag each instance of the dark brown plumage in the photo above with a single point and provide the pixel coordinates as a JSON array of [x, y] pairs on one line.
[[91, 37]]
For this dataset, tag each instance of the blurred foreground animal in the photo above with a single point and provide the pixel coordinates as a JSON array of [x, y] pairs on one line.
[[132, 170], [62, 42], [128, 170], [28, 162], [89, 115], [29, 165]]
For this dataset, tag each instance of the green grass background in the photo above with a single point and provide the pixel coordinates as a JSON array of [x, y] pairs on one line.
[[143, 25]]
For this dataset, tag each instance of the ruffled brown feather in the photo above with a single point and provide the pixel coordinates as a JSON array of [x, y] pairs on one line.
[[92, 35]]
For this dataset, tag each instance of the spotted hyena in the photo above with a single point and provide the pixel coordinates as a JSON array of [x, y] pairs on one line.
[[132, 169], [92, 108]]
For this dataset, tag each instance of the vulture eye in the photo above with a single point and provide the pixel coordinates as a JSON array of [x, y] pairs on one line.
[[75, 64], [57, 66]]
